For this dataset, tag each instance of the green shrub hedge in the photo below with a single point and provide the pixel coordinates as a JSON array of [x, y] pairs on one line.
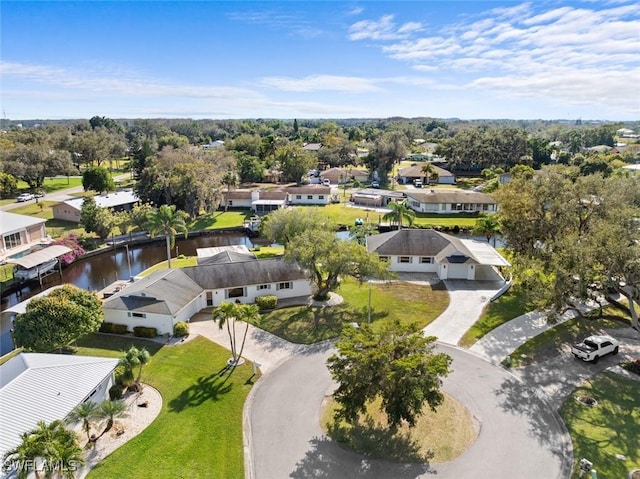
[[115, 392], [267, 302], [145, 332], [180, 329], [114, 328]]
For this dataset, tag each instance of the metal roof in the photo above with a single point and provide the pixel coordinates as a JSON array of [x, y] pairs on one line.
[[450, 195], [44, 387], [109, 200], [21, 307], [11, 222], [40, 257]]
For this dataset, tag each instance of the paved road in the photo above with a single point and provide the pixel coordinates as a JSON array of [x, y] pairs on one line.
[[519, 435]]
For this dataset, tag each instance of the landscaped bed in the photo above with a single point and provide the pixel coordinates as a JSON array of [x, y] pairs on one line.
[[406, 302], [606, 432], [198, 433]]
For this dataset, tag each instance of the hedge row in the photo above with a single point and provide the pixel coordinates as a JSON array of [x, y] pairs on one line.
[[113, 328], [269, 301], [144, 332]]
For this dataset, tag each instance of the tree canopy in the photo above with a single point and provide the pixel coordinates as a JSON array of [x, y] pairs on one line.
[[397, 365], [58, 319]]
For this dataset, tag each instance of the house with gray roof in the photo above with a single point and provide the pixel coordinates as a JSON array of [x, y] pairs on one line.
[[46, 387], [450, 200], [165, 297], [411, 173], [69, 210], [429, 251]]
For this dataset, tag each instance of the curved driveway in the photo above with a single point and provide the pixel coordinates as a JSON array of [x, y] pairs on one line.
[[519, 435]]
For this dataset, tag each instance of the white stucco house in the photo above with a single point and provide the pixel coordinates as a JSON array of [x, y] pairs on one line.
[[449, 200], [46, 387], [309, 195], [429, 251], [69, 210], [258, 201], [166, 297]]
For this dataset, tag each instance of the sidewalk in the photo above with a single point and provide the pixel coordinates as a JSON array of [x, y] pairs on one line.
[[502, 341]]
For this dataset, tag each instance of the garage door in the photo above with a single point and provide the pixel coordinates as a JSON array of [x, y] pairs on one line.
[[457, 271]]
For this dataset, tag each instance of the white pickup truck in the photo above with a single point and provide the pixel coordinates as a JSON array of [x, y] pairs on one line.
[[594, 347]]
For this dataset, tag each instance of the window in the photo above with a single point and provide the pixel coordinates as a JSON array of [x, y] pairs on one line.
[[384, 258], [262, 287], [235, 293], [298, 197], [285, 285], [415, 204], [12, 240], [230, 202], [426, 260], [138, 315], [404, 259], [321, 197], [309, 197]]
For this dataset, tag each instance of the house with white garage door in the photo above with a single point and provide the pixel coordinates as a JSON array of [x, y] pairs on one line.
[[429, 251]]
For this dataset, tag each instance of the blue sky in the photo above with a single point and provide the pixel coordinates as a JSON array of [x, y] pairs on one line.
[[330, 59]]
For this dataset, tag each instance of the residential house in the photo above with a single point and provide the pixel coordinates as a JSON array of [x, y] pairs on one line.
[[429, 251], [411, 173], [259, 201], [339, 176], [376, 198], [47, 387], [447, 201], [69, 210], [312, 147], [213, 145], [308, 195], [224, 254], [165, 297], [20, 234]]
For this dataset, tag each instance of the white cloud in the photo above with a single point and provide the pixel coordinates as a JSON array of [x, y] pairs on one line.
[[321, 83], [383, 29]]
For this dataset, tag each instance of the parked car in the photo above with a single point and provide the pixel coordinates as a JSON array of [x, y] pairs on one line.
[[594, 347], [24, 197], [375, 184], [326, 182]]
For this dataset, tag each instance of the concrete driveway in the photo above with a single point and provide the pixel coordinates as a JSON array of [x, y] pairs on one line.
[[520, 436]]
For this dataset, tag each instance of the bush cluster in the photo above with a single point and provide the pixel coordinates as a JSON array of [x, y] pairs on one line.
[[269, 301], [181, 329], [113, 328], [145, 332], [123, 376], [632, 366], [115, 392]]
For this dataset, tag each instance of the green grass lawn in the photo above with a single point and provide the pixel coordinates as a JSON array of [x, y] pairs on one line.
[[600, 433], [198, 433], [220, 219], [551, 342], [502, 310], [409, 303]]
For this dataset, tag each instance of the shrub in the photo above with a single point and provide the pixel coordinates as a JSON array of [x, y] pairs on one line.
[[269, 301], [123, 375], [115, 392], [145, 332], [113, 328], [632, 366], [180, 329]]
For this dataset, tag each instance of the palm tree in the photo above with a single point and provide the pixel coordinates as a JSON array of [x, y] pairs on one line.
[[24, 454], [399, 212], [430, 172], [249, 313], [69, 456], [230, 179], [110, 410], [227, 313], [168, 222], [84, 412], [488, 226], [133, 358]]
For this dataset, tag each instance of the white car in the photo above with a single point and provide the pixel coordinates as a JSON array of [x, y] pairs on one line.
[[24, 197], [594, 347]]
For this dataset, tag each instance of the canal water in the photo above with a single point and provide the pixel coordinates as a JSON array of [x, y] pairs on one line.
[[96, 272]]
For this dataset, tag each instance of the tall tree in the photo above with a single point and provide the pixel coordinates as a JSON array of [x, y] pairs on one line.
[[230, 180], [327, 258], [283, 225], [98, 179], [400, 211], [430, 172], [168, 222], [135, 358], [397, 365], [58, 319], [295, 162], [489, 226], [229, 315]]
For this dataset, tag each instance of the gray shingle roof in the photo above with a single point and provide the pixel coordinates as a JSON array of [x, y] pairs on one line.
[[233, 275], [416, 171], [407, 242], [163, 292], [309, 190]]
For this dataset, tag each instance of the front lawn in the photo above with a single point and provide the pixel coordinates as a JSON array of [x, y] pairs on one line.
[[504, 309], [220, 219], [607, 430], [409, 303], [553, 340], [198, 433]]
